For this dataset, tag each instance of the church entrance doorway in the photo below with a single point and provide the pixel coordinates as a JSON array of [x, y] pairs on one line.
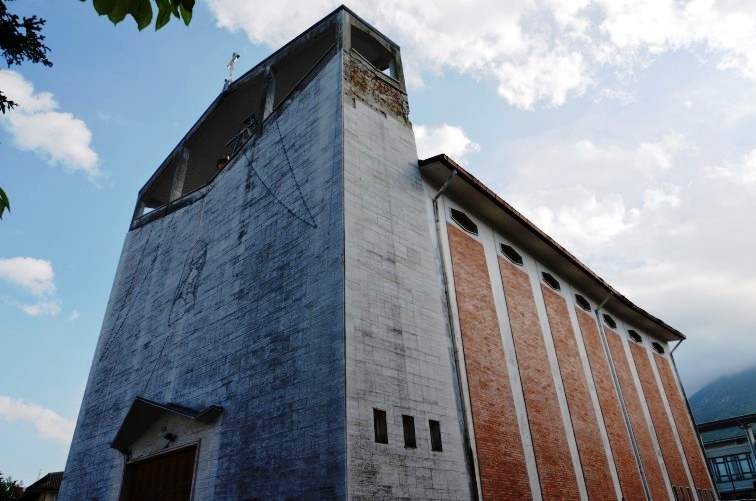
[[167, 477]]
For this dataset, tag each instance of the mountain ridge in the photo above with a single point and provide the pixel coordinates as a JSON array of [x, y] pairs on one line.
[[725, 397]]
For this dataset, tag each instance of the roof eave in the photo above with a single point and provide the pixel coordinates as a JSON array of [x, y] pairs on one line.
[[552, 252]]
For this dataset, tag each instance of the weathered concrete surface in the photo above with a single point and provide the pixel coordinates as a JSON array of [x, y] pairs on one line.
[[398, 348], [237, 300]]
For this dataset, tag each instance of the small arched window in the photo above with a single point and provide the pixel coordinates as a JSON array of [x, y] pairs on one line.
[[464, 221], [511, 254], [658, 348], [635, 336], [551, 281], [610, 321], [582, 302]]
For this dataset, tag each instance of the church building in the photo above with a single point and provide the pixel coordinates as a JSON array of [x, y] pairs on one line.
[[303, 309]]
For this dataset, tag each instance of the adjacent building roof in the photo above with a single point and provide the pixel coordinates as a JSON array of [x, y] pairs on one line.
[[735, 421], [48, 483]]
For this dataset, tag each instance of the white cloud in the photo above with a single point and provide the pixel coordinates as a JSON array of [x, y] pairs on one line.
[[74, 315], [741, 172], [654, 198], [444, 139], [34, 275], [271, 23], [42, 308], [48, 424], [540, 52], [584, 193], [660, 223], [39, 126]]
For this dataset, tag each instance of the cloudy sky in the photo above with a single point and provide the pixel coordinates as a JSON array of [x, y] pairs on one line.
[[624, 129]]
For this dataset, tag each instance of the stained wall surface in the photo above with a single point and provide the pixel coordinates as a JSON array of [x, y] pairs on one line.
[[237, 300]]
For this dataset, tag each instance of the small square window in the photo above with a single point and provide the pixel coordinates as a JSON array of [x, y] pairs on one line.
[[379, 422], [435, 435], [409, 432]]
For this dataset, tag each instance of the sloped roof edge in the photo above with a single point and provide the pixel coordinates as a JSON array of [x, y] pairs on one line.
[[549, 242], [50, 482]]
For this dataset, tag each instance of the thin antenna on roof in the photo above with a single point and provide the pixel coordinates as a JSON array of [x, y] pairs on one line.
[[230, 67]]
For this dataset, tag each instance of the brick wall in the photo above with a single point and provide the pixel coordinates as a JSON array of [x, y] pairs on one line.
[[497, 439], [622, 452], [593, 458], [662, 425], [685, 430], [555, 470], [643, 438]]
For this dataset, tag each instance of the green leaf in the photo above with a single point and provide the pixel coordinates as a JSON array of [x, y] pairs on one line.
[[141, 11], [118, 11], [175, 7], [103, 7], [186, 14], [164, 13], [4, 202]]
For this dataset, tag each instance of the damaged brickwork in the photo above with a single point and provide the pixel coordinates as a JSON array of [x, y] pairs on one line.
[[367, 84]]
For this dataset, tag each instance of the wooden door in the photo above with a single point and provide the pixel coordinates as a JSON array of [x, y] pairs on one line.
[[167, 477]]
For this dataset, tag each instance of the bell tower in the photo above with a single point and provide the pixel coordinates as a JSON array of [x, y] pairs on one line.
[[276, 327]]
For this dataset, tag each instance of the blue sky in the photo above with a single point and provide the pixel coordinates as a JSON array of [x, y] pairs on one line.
[[624, 129]]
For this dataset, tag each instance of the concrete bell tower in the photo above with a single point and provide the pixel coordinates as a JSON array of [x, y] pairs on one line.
[[277, 326]]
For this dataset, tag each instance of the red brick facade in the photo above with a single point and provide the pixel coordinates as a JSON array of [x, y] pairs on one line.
[[643, 438], [684, 426], [555, 470], [499, 446], [619, 440], [497, 437], [598, 479], [662, 424]]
